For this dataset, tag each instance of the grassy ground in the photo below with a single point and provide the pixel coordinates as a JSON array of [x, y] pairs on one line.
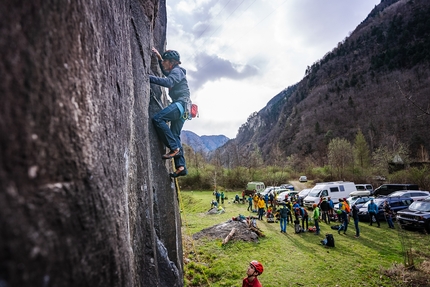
[[292, 259]]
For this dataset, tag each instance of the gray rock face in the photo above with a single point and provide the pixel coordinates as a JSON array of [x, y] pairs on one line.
[[85, 199]]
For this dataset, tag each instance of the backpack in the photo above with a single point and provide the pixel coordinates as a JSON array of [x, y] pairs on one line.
[[330, 240], [347, 208]]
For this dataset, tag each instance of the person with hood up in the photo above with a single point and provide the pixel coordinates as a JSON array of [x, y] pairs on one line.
[[175, 79]]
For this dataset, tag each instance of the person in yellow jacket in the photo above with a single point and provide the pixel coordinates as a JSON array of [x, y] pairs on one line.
[[255, 198], [261, 206]]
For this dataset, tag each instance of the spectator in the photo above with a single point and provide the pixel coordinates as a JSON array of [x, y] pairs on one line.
[[355, 217], [255, 268], [343, 218], [217, 195], [388, 212], [290, 213], [214, 204], [236, 199], [255, 199], [283, 217], [261, 205], [271, 199], [316, 216], [372, 209], [331, 204], [300, 211], [249, 203], [325, 208], [222, 197]]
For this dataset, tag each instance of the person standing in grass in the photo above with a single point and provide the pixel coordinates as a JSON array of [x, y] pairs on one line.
[[222, 197], [255, 199], [355, 217], [261, 206], [290, 215], [249, 203], [388, 212], [343, 218], [325, 207], [316, 216], [283, 217], [372, 209], [331, 204], [255, 268]]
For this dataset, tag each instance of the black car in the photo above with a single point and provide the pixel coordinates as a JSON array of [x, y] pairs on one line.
[[396, 203], [416, 215]]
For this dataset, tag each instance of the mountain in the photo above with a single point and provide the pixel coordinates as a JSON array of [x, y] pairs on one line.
[[203, 144], [376, 80]]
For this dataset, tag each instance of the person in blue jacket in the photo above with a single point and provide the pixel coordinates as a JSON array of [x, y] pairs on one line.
[[372, 209], [175, 79]]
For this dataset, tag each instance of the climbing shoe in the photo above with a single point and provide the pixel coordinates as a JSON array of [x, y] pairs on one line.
[[181, 171], [171, 154]]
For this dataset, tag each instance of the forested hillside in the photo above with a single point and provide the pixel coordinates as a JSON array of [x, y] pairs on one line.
[[376, 81]]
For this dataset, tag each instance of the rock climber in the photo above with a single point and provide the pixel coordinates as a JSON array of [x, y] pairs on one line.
[[175, 79]]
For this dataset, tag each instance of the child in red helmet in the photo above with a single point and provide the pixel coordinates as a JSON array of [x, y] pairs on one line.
[[255, 268]]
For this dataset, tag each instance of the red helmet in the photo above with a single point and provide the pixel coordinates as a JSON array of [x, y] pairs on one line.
[[257, 266]]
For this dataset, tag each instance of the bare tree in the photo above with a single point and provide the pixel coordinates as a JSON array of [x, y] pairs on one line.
[[340, 156]]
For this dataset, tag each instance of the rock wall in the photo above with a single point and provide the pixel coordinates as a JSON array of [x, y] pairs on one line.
[[85, 199]]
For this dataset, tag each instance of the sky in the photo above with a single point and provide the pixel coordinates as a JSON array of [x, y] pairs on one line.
[[239, 54]]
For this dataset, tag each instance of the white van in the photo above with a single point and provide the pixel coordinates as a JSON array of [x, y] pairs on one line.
[[334, 190]]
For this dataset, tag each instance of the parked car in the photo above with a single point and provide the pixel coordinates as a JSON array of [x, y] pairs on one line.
[[303, 178], [417, 215], [359, 201], [414, 194], [287, 186], [386, 189], [302, 194], [334, 190], [271, 189], [254, 187], [396, 203], [282, 194], [364, 187]]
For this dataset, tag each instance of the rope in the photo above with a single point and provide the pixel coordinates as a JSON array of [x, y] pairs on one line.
[[181, 207]]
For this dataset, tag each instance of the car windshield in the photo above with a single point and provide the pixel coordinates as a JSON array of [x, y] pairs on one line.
[[304, 192], [423, 206], [315, 192]]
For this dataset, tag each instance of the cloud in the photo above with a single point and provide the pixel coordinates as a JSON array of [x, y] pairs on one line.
[[213, 68], [240, 54]]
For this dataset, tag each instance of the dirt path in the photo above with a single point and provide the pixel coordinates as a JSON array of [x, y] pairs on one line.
[[299, 185]]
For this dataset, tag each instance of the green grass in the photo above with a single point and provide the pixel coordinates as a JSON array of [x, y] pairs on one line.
[[290, 259]]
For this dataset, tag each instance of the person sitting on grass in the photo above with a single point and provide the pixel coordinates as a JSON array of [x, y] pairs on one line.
[[255, 268]]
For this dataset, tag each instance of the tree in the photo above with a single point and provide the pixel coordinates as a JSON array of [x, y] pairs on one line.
[[361, 151], [340, 156]]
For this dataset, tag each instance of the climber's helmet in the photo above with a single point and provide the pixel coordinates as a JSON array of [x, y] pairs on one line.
[[172, 55]]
